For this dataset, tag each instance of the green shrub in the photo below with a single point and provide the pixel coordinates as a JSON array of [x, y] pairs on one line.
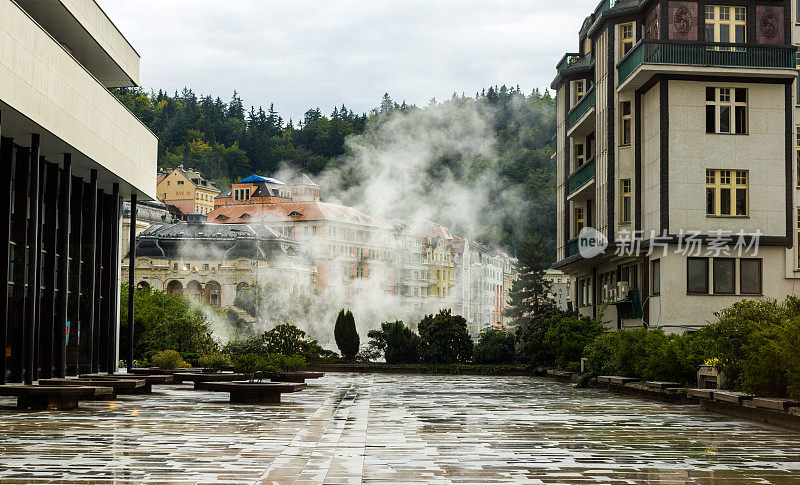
[[346, 335], [494, 347], [568, 336], [286, 363], [443, 339], [398, 343], [246, 345], [215, 362], [255, 366], [168, 359], [165, 322]]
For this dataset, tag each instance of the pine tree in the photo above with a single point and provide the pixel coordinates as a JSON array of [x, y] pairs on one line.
[[346, 335], [529, 292]]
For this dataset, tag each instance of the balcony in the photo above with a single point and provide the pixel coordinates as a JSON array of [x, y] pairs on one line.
[[580, 119], [568, 60], [572, 247], [649, 57], [580, 179]]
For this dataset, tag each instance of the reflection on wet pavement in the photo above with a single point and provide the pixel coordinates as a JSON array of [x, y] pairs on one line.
[[348, 428]]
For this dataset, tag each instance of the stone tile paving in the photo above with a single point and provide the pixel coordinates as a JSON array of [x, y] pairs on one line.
[[348, 428]]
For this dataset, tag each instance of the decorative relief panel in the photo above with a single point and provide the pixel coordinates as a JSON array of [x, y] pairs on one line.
[[769, 24], [651, 30], [682, 20]]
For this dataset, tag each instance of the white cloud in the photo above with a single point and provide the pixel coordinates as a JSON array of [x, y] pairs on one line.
[[309, 53]]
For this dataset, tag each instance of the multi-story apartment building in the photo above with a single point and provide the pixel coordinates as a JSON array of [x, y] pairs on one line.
[[186, 190], [675, 143], [212, 262], [71, 152], [560, 288]]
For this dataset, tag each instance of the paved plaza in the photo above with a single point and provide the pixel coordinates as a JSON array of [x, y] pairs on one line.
[[354, 428]]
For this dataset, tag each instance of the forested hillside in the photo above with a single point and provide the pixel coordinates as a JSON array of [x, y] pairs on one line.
[[226, 141]]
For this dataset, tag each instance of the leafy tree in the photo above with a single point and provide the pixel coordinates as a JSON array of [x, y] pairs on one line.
[[396, 342], [164, 322], [494, 347], [568, 337], [346, 335], [250, 299], [443, 339]]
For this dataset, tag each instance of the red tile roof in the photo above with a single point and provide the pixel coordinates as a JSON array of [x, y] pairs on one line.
[[293, 211]]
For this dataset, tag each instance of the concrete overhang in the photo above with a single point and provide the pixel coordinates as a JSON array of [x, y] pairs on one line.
[[645, 72], [84, 29], [44, 90]]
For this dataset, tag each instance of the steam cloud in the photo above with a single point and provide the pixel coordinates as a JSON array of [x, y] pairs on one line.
[[439, 163]]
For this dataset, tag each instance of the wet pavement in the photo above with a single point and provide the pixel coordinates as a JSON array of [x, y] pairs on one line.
[[349, 428]]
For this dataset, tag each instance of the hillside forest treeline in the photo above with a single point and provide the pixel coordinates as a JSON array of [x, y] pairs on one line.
[[226, 141]]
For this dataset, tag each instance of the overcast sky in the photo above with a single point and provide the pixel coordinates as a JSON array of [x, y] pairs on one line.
[[308, 53]]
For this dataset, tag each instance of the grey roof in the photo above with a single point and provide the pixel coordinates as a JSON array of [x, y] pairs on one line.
[[202, 240]]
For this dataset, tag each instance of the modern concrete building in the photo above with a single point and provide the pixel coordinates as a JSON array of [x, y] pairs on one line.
[[71, 153], [675, 143]]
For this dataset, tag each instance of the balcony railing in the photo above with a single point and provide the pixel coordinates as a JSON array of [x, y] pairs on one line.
[[579, 177], [580, 109], [705, 54], [568, 60]]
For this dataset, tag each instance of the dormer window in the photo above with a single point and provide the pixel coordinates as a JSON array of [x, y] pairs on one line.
[[245, 216], [221, 217], [295, 214]]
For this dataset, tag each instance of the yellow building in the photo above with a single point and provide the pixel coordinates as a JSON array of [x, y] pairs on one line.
[[439, 260], [187, 190]]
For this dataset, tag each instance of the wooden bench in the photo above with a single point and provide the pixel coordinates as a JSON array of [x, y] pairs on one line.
[[297, 376], [621, 380], [701, 393], [663, 385], [252, 392], [148, 379], [52, 397], [775, 404], [120, 386], [214, 377], [731, 397]]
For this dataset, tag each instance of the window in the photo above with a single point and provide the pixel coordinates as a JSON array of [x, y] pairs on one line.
[[579, 220], [580, 90], [726, 24], [797, 11], [655, 277], [750, 276], [625, 132], [726, 192], [580, 154], [724, 276], [587, 45], [180, 182], [626, 38], [697, 275], [726, 110], [625, 203]]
